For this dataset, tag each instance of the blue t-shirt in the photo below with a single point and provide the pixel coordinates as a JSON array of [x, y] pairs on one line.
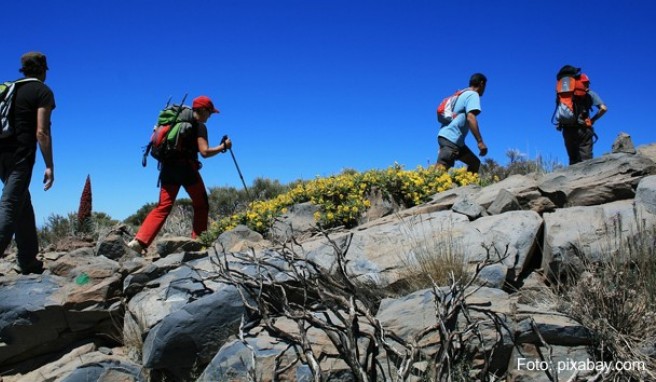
[[457, 130], [596, 100]]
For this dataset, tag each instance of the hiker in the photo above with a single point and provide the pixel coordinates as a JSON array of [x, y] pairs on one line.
[[574, 104], [451, 138], [30, 121], [182, 170]]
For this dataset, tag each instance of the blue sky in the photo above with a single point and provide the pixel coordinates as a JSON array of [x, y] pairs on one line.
[[309, 88]]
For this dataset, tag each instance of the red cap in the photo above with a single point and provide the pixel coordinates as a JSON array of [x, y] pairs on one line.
[[584, 78], [203, 102]]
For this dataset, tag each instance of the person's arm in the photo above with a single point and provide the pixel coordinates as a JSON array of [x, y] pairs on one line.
[[206, 151], [476, 132], [45, 144], [602, 110]]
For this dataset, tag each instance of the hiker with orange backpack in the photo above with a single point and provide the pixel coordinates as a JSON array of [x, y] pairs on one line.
[[180, 168], [458, 115], [574, 104]]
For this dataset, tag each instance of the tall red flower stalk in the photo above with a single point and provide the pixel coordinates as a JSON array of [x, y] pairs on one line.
[[84, 211]]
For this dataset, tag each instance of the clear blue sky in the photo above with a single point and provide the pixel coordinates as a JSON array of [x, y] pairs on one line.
[[309, 88]]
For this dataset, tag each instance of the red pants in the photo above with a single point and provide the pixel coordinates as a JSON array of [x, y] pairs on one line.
[[167, 194]]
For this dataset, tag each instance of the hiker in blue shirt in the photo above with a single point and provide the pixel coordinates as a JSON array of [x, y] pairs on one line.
[[451, 137]]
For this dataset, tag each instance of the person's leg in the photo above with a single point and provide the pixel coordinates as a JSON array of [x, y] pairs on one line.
[[572, 142], [27, 241], [16, 178], [448, 153], [585, 146], [200, 203], [470, 159], [156, 218]]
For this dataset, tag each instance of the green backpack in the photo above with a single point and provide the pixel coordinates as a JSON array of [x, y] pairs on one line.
[[174, 123]]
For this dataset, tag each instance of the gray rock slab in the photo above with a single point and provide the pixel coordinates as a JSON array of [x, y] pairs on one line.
[[39, 315], [597, 181], [194, 333], [593, 232], [646, 194]]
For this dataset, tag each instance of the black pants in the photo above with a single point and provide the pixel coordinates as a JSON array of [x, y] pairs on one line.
[[578, 142], [450, 152], [16, 212]]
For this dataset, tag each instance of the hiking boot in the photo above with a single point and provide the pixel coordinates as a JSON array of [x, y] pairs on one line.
[[35, 267], [136, 246]]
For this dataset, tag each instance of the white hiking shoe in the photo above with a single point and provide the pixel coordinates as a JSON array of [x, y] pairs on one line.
[[136, 246]]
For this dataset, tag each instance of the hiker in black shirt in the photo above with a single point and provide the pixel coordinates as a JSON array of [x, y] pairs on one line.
[[30, 118]]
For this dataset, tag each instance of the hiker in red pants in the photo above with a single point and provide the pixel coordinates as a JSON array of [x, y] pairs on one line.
[[182, 170]]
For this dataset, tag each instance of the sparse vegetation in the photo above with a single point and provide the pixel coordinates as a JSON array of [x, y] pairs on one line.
[[342, 308], [518, 164], [616, 299], [60, 228], [343, 198]]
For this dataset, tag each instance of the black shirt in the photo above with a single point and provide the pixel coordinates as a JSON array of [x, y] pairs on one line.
[[30, 96]]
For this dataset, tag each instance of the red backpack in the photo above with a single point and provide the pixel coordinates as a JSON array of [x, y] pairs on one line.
[[445, 113]]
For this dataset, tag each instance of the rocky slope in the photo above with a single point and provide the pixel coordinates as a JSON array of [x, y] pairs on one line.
[[100, 312]]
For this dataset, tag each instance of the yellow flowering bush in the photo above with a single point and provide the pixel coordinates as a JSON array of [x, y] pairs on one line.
[[343, 198]]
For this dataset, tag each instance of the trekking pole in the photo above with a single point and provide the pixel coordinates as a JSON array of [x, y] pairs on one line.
[[236, 165]]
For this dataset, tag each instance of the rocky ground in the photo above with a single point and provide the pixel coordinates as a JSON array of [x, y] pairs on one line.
[[101, 312]]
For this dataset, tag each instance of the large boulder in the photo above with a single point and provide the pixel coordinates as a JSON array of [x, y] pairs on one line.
[[298, 222], [597, 181], [88, 363], [193, 334], [382, 254], [596, 233], [43, 315]]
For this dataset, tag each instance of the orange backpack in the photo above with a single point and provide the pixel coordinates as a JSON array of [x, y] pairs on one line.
[[573, 102]]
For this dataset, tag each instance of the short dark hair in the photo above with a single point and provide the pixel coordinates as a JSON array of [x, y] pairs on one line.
[[33, 64], [477, 79]]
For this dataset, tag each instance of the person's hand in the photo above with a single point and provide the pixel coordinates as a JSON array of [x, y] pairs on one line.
[[48, 179], [482, 148], [227, 144]]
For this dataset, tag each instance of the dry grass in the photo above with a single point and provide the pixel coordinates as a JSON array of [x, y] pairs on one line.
[[616, 299], [430, 260]]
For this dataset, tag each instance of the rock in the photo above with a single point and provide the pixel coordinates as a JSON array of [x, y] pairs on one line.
[[597, 181], [168, 245], [468, 208], [297, 222], [84, 364], [43, 314], [380, 206], [595, 232], [648, 151], [504, 202], [646, 194], [234, 361], [523, 187], [623, 144], [530, 363], [194, 333], [112, 246], [410, 315], [554, 329], [240, 238]]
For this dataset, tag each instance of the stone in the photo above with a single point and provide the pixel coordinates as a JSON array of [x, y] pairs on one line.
[[623, 144]]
